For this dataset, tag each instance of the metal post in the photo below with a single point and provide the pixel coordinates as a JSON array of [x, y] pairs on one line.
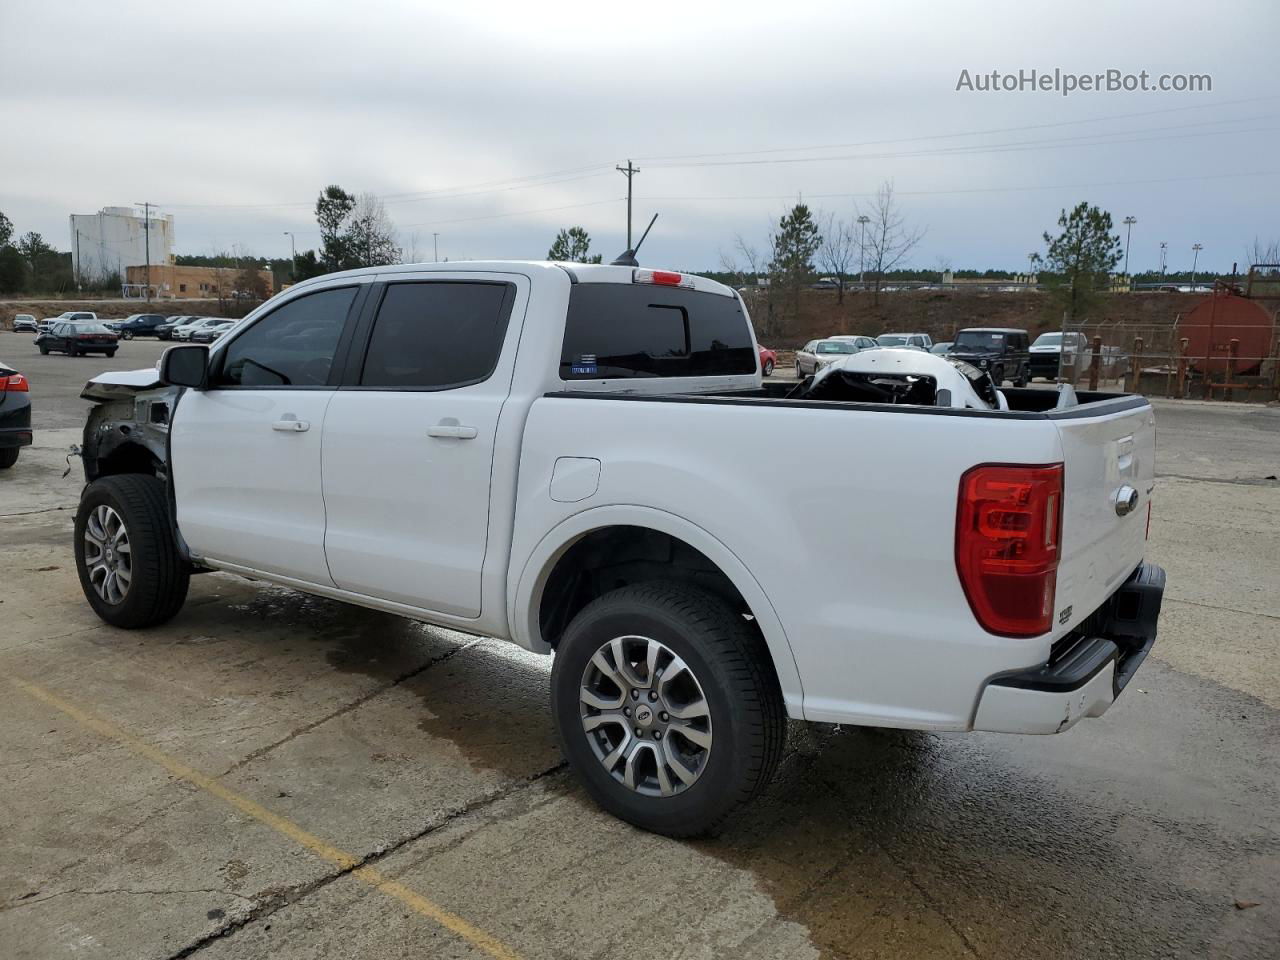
[[1128, 222], [628, 171], [1195, 260], [1097, 363], [435, 248], [1135, 366], [862, 255], [1181, 393], [146, 231], [1233, 349]]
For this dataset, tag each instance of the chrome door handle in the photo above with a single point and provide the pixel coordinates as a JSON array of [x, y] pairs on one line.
[[453, 430], [291, 425]]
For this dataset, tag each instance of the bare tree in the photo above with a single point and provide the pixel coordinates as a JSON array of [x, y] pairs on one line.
[[1261, 252], [889, 237], [748, 265], [838, 250], [371, 239]]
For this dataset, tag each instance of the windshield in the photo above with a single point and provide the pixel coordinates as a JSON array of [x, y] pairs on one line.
[[83, 326], [979, 340], [1048, 340], [836, 346]]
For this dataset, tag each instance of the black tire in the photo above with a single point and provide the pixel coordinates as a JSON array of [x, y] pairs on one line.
[[111, 353], [126, 335], [44, 351], [997, 375], [1023, 378], [731, 664], [799, 372], [768, 368], [8, 457], [159, 581]]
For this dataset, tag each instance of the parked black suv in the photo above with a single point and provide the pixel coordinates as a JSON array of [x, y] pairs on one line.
[[1003, 352]]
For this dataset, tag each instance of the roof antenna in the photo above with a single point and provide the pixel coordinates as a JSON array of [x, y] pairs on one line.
[[628, 259]]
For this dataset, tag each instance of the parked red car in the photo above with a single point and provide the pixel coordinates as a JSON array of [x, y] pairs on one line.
[[768, 360]]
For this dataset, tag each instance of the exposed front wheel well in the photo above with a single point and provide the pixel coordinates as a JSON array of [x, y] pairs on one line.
[[127, 458], [606, 559]]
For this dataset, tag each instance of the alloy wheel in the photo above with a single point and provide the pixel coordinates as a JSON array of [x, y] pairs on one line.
[[645, 716], [108, 555]]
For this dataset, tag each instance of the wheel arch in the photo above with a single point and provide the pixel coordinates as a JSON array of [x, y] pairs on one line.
[[525, 603]]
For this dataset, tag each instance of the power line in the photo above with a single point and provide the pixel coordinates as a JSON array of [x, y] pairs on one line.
[[963, 190], [969, 133], [516, 213], [973, 149]]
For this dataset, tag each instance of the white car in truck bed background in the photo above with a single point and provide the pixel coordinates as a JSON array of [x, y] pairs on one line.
[[566, 456]]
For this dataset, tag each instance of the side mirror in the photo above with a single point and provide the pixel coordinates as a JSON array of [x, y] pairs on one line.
[[185, 366]]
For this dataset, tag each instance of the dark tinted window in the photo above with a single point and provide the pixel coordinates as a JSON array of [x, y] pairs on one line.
[[641, 330], [437, 334], [292, 346]]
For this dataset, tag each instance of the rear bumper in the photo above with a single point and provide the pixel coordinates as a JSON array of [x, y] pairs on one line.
[[18, 437], [1085, 678]]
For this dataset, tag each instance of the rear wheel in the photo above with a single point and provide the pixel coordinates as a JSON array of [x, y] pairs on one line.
[[8, 457], [768, 368], [666, 707], [125, 552], [111, 353]]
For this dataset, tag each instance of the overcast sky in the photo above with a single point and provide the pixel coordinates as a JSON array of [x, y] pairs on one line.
[[495, 124]]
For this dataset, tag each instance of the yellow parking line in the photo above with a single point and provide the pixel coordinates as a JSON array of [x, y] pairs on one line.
[[393, 888]]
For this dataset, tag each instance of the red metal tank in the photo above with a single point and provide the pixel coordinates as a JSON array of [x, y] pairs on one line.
[[1217, 320]]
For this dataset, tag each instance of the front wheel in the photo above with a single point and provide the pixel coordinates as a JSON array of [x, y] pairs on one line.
[[125, 552], [997, 376], [44, 351], [1023, 378], [667, 707], [126, 335]]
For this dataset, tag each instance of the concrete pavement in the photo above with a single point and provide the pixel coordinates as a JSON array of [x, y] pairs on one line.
[[273, 774]]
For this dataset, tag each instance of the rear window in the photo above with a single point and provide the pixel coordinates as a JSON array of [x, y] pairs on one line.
[[618, 330], [980, 339]]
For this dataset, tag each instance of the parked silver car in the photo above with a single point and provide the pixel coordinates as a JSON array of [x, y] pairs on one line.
[[25, 321], [918, 341], [816, 354]]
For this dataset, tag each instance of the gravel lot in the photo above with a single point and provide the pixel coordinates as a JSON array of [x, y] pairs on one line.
[[274, 774]]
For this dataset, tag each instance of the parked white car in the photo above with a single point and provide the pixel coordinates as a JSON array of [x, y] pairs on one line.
[[917, 341], [568, 457], [25, 321], [1071, 349], [184, 331]]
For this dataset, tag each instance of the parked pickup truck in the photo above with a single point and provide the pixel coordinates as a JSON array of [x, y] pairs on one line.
[[568, 457]]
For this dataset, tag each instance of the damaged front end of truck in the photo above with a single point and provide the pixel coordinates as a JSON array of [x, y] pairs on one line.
[[127, 430]]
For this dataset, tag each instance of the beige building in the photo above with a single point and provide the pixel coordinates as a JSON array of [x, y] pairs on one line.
[[170, 280]]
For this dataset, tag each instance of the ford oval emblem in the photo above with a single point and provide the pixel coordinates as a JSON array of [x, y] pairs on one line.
[[1126, 500]]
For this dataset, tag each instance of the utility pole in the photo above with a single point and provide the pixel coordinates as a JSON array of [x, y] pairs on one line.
[[1031, 265], [1164, 253], [628, 171], [435, 247], [293, 249], [1128, 222], [146, 230], [77, 260], [862, 254], [1194, 260]]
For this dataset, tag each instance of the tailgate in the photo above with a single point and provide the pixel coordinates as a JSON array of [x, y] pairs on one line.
[[1105, 456]]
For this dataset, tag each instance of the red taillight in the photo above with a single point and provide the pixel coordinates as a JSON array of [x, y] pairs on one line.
[[1007, 526], [666, 278], [14, 383]]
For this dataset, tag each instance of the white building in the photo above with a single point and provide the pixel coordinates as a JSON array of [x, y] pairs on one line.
[[106, 242]]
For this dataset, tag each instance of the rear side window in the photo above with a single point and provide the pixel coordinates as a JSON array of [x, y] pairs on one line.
[[618, 330], [437, 334], [293, 346]]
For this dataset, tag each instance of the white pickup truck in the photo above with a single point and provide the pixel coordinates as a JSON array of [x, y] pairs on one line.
[[583, 460]]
